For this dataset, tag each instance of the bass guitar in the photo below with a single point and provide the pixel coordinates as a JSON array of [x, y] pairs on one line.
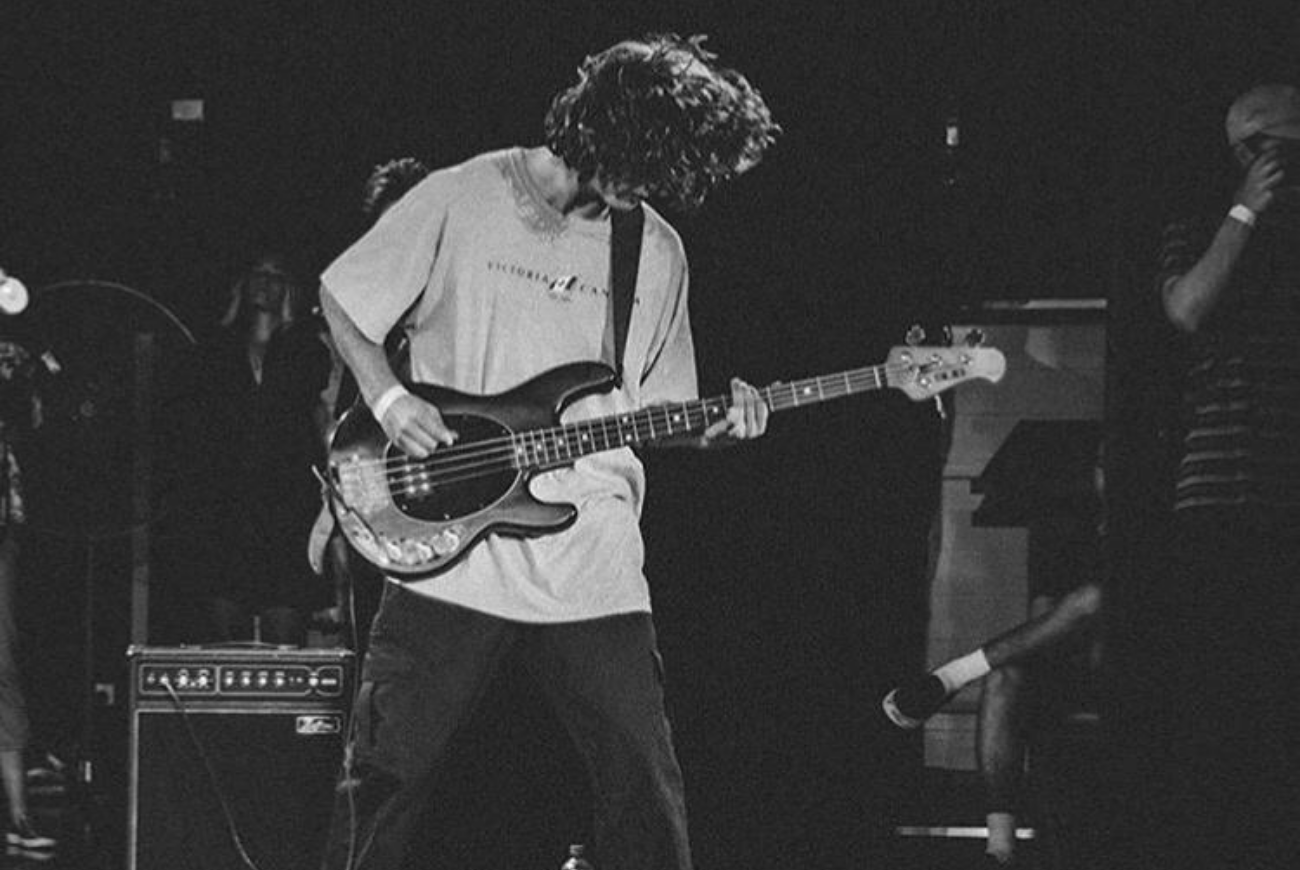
[[416, 517]]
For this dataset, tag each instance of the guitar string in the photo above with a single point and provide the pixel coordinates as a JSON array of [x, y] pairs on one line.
[[446, 467], [852, 383], [442, 469], [411, 470], [506, 445], [414, 475], [854, 377], [541, 440]]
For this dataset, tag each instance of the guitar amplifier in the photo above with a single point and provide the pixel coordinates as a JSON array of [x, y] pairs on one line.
[[233, 757]]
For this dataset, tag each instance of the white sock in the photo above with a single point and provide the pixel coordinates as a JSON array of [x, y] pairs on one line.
[[1002, 835], [959, 672]]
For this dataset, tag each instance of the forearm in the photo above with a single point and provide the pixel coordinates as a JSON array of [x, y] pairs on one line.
[[365, 358], [1193, 296]]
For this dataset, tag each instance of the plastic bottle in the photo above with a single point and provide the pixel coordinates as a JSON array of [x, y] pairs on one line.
[[576, 861]]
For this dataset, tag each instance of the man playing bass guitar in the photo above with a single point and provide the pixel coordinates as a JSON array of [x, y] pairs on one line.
[[499, 270]]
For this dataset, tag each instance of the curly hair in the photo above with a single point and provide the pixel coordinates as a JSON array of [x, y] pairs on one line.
[[388, 182], [659, 112]]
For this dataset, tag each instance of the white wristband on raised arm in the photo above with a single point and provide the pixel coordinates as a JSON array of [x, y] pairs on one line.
[[384, 402], [1244, 214]]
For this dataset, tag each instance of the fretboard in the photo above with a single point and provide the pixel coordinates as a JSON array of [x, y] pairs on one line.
[[561, 445]]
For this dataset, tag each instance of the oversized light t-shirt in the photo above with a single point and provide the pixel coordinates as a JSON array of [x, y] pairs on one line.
[[501, 287]]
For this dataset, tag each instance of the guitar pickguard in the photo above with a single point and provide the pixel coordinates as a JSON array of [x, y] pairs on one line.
[[416, 517]]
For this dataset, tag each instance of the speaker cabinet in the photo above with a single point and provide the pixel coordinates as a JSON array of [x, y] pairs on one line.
[[233, 756]]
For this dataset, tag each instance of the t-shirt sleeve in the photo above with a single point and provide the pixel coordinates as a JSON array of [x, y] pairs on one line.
[[377, 279], [671, 375]]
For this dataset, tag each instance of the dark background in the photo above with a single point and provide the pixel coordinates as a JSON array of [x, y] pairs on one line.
[[787, 575]]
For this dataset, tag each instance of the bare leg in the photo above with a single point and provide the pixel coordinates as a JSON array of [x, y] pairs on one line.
[[1000, 748], [13, 706], [909, 705], [11, 771]]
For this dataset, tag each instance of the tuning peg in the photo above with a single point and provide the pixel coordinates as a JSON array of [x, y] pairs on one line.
[[915, 335], [975, 338]]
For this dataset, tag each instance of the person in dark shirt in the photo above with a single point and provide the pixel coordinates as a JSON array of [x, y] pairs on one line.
[[19, 414], [1225, 625], [263, 375]]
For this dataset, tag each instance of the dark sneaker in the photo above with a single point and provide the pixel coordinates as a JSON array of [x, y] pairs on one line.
[[23, 836], [909, 705]]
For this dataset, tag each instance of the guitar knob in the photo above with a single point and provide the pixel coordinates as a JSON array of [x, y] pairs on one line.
[[445, 542], [975, 338], [915, 335]]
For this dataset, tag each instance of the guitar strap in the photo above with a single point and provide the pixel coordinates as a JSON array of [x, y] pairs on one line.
[[624, 257]]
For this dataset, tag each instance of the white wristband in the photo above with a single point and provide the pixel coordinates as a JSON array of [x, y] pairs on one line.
[[1244, 214], [384, 402]]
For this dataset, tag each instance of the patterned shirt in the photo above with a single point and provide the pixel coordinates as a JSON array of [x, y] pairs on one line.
[[1241, 400]]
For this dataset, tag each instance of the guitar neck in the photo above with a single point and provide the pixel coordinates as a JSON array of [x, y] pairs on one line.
[[560, 445], [811, 391]]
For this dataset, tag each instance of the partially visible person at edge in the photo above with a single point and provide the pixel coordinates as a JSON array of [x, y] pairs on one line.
[[504, 264], [19, 415], [1227, 624]]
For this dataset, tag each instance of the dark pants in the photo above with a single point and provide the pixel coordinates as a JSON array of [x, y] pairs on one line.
[[428, 666], [13, 709]]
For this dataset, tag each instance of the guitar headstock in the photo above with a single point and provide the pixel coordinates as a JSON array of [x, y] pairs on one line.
[[924, 372]]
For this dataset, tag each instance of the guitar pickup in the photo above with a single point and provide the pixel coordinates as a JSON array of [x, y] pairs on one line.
[[363, 486]]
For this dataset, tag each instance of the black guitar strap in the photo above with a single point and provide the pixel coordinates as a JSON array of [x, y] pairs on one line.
[[624, 256]]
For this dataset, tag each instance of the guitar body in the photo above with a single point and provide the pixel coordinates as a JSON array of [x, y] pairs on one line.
[[418, 522]]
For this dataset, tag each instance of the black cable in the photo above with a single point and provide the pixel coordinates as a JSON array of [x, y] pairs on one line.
[[212, 777]]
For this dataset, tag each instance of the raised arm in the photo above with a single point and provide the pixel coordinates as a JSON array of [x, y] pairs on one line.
[[1193, 296]]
